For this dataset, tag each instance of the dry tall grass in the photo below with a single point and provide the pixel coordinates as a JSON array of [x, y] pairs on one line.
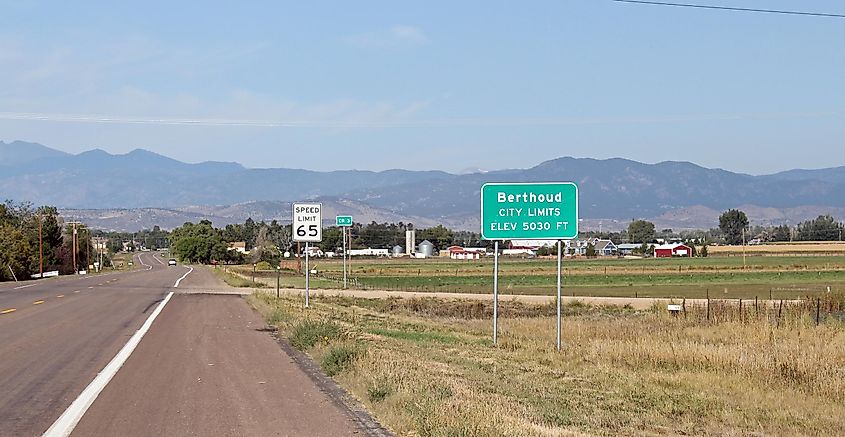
[[427, 372], [806, 248]]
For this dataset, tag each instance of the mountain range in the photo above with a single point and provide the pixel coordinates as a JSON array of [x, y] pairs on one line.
[[130, 191]]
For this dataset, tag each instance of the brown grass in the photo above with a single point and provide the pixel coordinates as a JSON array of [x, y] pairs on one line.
[[805, 248], [430, 369]]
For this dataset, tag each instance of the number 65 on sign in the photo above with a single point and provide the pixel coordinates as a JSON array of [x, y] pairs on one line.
[[308, 222]]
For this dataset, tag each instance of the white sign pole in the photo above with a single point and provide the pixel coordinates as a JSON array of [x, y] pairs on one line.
[[344, 256], [307, 275], [495, 291], [558, 293], [307, 228]]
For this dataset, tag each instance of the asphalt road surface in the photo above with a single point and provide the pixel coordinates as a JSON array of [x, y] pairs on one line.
[[204, 367]]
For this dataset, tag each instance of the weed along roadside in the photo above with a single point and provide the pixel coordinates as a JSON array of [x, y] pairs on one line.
[[424, 366]]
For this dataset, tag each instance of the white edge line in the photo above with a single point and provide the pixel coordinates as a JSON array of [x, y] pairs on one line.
[[65, 424], [24, 286], [191, 269], [141, 260]]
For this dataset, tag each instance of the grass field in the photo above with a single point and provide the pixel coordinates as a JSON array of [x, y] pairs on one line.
[[805, 248], [778, 277], [427, 367]]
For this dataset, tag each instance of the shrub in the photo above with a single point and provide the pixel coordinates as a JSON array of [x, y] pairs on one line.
[[378, 391], [339, 358], [306, 334]]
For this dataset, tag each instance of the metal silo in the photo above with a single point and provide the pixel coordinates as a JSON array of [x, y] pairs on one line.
[[426, 248], [398, 250]]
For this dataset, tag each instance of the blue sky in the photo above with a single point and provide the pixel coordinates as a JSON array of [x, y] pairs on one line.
[[428, 85]]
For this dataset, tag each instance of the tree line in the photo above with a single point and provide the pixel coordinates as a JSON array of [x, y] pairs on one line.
[[203, 243], [32, 239], [734, 228]]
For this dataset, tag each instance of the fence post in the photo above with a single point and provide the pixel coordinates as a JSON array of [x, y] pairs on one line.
[[818, 303], [708, 307], [740, 311], [780, 310], [756, 308], [684, 307]]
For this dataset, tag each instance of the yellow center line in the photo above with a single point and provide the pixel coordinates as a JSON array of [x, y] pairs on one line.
[[60, 296], [10, 310], [38, 302]]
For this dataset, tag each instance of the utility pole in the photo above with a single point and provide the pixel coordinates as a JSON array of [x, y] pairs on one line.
[[743, 248], [75, 270], [75, 245], [88, 251]]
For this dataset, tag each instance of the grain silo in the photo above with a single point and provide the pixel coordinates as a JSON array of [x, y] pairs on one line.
[[426, 249], [410, 241]]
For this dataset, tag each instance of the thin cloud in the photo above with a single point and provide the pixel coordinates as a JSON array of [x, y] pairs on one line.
[[396, 36], [381, 118]]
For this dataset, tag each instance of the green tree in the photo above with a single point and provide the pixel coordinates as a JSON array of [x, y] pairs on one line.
[[439, 235], [641, 231], [781, 233], [732, 223], [332, 239], [16, 253], [703, 252], [590, 251], [823, 228], [199, 243]]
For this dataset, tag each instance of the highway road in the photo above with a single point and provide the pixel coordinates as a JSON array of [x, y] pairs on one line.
[[204, 367]]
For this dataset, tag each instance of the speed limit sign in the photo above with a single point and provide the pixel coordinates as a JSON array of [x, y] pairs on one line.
[[308, 222]]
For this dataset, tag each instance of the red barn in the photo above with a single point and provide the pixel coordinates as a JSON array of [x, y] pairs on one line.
[[670, 250]]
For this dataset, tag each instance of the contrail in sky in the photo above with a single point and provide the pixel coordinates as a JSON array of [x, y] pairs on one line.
[[441, 122]]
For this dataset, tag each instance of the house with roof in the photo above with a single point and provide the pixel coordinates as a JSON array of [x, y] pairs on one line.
[[628, 248], [672, 249], [238, 246], [458, 252], [602, 247]]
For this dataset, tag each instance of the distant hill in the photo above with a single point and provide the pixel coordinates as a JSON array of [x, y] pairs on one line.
[[19, 152], [617, 189], [97, 179], [134, 219], [613, 191]]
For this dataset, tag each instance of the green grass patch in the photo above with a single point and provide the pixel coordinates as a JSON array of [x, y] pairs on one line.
[[339, 358], [308, 333], [416, 336]]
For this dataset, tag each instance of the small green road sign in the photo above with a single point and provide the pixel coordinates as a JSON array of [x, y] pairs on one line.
[[344, 220], [529, 211]]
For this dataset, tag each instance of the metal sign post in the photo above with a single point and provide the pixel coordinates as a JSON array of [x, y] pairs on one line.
[[529, 211], [307, 227], [343, 236], [307, 275], [557, 337], [495, 292], [344, 222]]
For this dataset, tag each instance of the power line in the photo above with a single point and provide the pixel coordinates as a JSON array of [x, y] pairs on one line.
[[734, 9]]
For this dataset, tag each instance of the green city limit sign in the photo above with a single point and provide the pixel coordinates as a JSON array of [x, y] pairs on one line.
[[529, 211]]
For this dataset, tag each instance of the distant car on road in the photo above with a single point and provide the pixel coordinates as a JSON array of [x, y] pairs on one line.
[[171, 262]]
